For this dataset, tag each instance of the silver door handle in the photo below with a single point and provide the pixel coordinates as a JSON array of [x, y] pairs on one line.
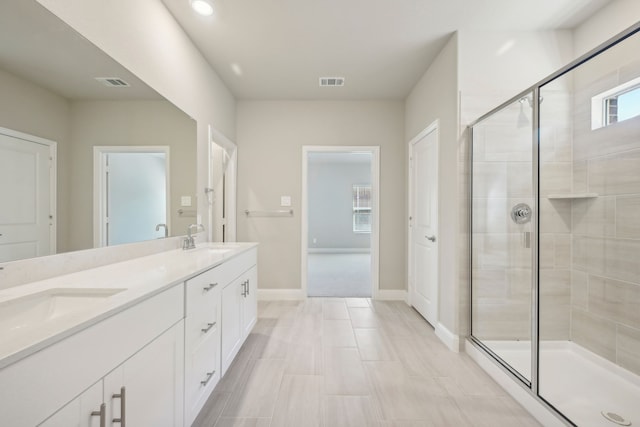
[[209, 376], [248, 287], [432, 238], [123, 406], [244, 287], [102, 413], [211, 286], [208, 328]]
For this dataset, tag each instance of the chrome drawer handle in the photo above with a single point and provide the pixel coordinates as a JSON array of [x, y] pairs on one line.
[[208, 328], [209, 376], [102, 413], [123, 406], [211, 286]]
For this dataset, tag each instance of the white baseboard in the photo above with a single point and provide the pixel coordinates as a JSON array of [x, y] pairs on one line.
[[280, 294], [392, 295], [451, 340], [535, 408], [339, 250]]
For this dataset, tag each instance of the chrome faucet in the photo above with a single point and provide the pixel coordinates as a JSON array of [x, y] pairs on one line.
[[189, 242], [166, 229]]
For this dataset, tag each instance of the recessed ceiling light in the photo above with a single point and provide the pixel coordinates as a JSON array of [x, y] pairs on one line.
[[202, 7]]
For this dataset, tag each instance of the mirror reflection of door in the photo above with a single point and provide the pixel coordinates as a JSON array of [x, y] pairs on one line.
[[133, 194], [27, 202]]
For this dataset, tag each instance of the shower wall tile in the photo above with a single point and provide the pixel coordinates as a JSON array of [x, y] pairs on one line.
[[547, 250], [555, 177], [580, 177], [619, 138], [519, 181], [579, 289], [489, 180], [562, 251], [490, 286], [555, 216], [594, 217], [491, 215], [627, 211], [508, 321], [519, 284], [505, 142], [628, 348], [613, 258], [616, 174], [594, 333], [614, 300]]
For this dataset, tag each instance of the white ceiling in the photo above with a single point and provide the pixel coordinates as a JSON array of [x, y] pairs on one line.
[[381, 47], [38, 47]]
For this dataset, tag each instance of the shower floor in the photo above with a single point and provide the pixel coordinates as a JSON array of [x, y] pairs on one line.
[[577, 382]]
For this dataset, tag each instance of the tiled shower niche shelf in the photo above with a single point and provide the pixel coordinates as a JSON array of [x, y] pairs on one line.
[[573, 196]]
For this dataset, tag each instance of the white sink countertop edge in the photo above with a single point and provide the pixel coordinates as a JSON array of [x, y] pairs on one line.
[[142, 278]]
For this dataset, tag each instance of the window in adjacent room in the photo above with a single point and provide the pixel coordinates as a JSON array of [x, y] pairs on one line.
[[361, 196]]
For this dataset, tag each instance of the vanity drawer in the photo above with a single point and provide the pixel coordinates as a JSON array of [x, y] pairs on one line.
[[202, 373], [203, 323]]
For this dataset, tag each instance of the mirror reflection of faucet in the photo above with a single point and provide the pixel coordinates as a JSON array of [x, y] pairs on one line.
[[166, 229], [189, 241]]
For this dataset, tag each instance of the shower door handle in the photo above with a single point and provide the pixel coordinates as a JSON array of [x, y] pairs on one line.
[[432, 238]]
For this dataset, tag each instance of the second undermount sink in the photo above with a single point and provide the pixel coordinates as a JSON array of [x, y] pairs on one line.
[[30, 311]]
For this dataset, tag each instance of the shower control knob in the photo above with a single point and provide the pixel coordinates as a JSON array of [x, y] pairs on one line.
[[521, 213]]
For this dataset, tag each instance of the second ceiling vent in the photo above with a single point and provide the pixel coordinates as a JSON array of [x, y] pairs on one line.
[[331, 81]]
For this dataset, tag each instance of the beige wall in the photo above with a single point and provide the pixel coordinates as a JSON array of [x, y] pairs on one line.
[[606, 23], [435, 97], [149, 42], [28, 108], [270, 139], [128, 123]]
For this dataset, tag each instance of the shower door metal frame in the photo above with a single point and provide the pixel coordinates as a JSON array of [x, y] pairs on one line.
[[532, 387]]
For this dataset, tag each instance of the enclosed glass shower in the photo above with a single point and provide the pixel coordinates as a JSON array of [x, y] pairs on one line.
[[555, 237]]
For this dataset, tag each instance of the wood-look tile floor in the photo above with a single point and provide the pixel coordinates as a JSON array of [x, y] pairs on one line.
[[353, 362]]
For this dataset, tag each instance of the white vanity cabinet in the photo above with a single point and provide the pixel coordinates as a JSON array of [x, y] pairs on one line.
[[141, 348], [213, 319], [239, 313], [146, 390], [202, 339]]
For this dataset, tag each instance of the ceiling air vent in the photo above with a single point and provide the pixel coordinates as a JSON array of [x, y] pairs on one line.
[[112, 81], [331, 81]]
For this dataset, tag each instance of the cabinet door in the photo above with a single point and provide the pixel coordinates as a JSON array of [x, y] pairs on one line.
[[77, 413], [231, 328], [250, 301], [153, 383]]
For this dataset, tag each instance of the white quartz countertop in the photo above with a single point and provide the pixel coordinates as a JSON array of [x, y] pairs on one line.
[[130, 282]]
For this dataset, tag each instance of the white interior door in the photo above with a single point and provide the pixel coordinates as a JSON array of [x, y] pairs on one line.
[[26, 215], [424, 225]]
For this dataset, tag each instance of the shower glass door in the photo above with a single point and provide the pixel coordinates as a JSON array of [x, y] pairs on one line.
[[502, 235]]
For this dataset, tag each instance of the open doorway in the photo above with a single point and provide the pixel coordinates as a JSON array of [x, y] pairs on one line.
[[221, 188], [340, 221]]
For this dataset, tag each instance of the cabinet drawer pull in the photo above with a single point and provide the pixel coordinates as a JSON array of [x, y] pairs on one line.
[[209, 376], [102, 413], [211, 286], [208, 328], [244, 288], [248, 287], [123, 406]]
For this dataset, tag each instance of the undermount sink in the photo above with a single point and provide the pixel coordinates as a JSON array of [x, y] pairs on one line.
[[36, 309]]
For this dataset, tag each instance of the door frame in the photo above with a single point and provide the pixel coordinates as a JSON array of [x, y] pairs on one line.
[[374, 150], [433, 127], [230, 187], [99, 184], [53, 177]]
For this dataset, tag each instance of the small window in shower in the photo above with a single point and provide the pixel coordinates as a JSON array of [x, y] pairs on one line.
[[616, 105]]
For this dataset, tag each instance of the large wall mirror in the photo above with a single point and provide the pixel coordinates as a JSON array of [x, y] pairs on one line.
[[117, 145]]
